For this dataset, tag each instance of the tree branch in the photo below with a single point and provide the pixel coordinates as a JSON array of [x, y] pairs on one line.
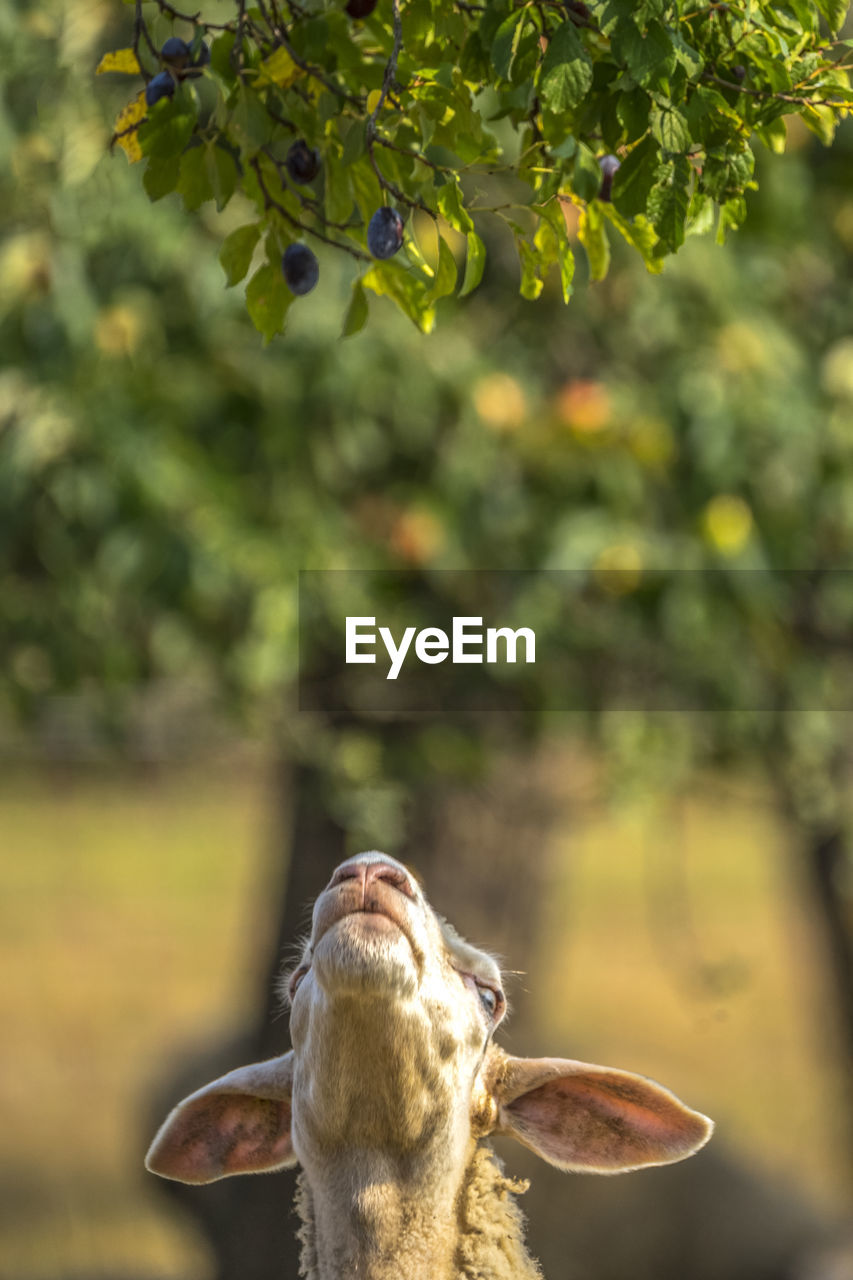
[[270, 202]]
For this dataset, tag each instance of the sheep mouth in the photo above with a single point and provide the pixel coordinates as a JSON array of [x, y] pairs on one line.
[[380, 910]]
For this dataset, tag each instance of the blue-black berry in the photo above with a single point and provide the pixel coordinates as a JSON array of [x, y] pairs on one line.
[[176, 52], [385, 232], [161, 86], [303, 162], [608, 166], [300, 267]]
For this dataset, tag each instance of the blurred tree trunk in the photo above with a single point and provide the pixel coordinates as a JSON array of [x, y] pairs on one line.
[[829, 867]]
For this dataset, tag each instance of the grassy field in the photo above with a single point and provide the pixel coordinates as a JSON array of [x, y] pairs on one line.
[[131, 908]]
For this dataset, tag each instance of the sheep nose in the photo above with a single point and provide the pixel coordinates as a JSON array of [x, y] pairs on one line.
[[367, 873]]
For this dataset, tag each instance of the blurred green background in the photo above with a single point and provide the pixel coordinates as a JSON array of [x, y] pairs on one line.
[[678, 887]]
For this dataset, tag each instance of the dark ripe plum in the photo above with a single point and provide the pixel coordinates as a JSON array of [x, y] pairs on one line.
[[359, 8], [176, 52], [160, 86], [385, 232], [300, 267], [608, 166], [303, 162]]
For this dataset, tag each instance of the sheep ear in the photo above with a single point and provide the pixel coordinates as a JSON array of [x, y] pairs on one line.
[[595, 1119], [238, 1124]]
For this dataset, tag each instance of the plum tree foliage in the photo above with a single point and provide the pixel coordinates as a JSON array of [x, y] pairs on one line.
[[456, 112]]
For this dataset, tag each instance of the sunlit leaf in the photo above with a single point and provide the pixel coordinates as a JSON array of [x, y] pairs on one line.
[[640, 233], [566, 69], [410, 293], [126, 126], [592, 234], [122, 60], [475, 261], [445, 273], [279, 69]]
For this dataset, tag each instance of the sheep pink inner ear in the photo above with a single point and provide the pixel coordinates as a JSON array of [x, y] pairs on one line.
[[596, 1119], [238, 1124]]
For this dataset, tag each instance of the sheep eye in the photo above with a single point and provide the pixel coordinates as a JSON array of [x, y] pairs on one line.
[[295, 979], [490, 999]]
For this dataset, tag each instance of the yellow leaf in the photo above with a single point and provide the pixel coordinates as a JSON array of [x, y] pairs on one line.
[[127, 123], [279, 68], [123, 60], [373, 100]]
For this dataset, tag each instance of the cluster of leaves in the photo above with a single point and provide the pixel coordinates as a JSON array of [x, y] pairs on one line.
[[162, 481], [455, 112]]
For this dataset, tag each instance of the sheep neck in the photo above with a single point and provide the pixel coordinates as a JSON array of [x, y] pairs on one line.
[[379, 1219], [466, 1233]]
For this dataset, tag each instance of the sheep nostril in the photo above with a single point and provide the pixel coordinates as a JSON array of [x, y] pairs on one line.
[[390, 875], [353, 872]]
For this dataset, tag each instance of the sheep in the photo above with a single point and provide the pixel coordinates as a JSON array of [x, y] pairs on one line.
[[393, 1082]]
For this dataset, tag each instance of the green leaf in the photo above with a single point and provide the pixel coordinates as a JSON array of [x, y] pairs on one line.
[[194, 182], [532, 281], [444, 281], [732, 215], [726, 176], [566, 75], [337, 192], [821, 121], [586, 174], [505, 43], [357, 312], [267, 300], [686, 56], [648, 55], [236, 252], [552, 213], [670, 129], [632, 110], [251, 125], [592, 234], [668, 204], [835, 11], [451, 207], [774, 135], [639, 233], [392, 280], [366, 190], [161, 175], [354, 143], [223, 175], [168, 128], [475, 261], [635, 178]]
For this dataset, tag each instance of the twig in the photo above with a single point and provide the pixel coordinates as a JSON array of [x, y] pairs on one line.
[[388, 80], [271, 203], [769, 97], [307, 202], [415, 155], [390, 74], [139, 30], [311, 70], [193, 18], [237, 59]]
